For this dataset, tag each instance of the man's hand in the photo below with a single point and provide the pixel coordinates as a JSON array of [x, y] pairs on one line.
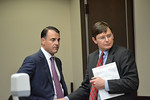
[[61, 99], [98, 82]]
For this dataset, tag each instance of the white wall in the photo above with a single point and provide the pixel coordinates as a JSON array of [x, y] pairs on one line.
[[142, 44], [76, 44], [21, 22]]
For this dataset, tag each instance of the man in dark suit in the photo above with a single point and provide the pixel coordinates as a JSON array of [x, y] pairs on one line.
[[38, 67], [128, 82]]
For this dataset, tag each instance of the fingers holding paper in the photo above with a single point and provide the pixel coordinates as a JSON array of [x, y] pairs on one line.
[[98, 82]]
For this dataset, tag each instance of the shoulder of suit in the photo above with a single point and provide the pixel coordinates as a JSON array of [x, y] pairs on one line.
[[121, 48], [56, 58], [116, 49], [36, 55], [96, 52]]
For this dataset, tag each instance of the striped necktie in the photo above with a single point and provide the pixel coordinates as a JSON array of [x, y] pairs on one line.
[[94, 91]]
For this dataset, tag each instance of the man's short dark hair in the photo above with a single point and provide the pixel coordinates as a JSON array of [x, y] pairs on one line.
[[99, 27], [45, 30]]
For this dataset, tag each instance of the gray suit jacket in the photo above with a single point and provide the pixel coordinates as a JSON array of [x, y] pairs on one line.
[[126, 65]]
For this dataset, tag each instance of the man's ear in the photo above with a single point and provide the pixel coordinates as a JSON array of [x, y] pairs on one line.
[[43, 41], [94, 40]]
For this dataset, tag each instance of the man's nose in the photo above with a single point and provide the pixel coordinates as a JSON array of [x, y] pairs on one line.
[[106, 38], [56, 42]]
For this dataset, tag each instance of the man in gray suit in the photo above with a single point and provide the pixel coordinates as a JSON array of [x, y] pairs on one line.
[[128, 82]]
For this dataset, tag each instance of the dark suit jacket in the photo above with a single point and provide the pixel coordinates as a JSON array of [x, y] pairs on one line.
[[126, 65], [37, 68]]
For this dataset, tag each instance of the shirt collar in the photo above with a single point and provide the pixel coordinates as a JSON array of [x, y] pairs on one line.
[[105, 52], [47, 55]]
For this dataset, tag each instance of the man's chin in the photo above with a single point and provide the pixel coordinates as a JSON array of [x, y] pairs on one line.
[[55, 51], [107, 48]]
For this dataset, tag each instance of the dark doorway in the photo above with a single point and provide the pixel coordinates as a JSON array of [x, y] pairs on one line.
[[118, 13]]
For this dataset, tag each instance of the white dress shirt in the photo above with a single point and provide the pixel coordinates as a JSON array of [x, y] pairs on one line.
[[48, 56]]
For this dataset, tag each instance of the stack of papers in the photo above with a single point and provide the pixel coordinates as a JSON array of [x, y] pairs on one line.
[[107, 72]]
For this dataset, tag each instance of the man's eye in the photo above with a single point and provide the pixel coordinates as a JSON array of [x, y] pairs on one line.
[[52, 39], [108, 36], [102, 38]]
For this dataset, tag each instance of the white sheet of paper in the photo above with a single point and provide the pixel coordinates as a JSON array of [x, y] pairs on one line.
[[107, 72]]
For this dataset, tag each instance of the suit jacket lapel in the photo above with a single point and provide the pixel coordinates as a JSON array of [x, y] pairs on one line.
[[95, 59], [58, 65], [45, 66], [110, 57], [58, 62]]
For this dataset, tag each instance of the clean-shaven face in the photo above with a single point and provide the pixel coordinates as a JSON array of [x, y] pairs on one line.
[[104, 40], [51, 42]]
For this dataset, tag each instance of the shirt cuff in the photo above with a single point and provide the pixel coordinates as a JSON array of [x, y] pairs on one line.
[[106, 85], [66, 98]]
